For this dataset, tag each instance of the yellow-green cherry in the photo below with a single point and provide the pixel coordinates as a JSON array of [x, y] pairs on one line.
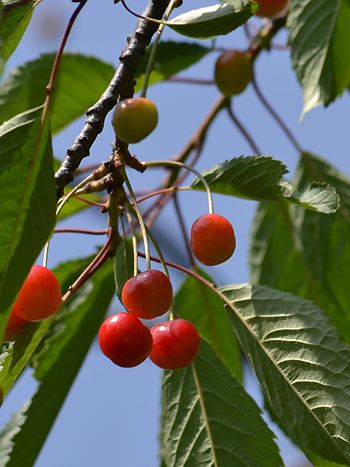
[[233, 72], [134, 119]]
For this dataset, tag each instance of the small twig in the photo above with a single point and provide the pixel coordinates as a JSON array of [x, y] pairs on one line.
[[182, 224], [280, 122], [243, 130], [91, 203], [83, 231], [183, 79]]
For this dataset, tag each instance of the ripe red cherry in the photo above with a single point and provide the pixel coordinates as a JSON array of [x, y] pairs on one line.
[[269, 8], [233, 72], [148, 295], [15, 324], [40, 295], [212, 239], [175, 344], [125, 340], [134, 119]]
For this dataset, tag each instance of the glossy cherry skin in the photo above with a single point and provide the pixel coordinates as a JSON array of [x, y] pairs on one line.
[[40, 295], [233, 72], [269, 8], [213, 239], [175, 344], [148, 295], [15, 324], [134, 119], [125, 340]]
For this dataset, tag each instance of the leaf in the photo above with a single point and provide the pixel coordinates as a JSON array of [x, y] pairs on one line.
[[17, 355], [209, 420], [318, 30], [315, 248], [260, 178], [14, 19], [80, 82], [57, 368], [301, 363], [123, 264], [212, 21], [195, 302], [28, 201], [171, 58]]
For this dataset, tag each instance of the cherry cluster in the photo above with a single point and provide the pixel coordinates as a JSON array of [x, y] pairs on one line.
[[172, 344]]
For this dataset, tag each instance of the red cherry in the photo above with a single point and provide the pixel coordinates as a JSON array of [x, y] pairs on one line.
[[40, 295], [148, 295], [175, 344], [212, 239], [14, 325], [125, 340], [269, 8]]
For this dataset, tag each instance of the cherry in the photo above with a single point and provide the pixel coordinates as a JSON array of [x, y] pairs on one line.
[[125, 340], [40, 295], [233, 72], [175, 344], [134, 119], [15, 324], [147, 295], [212, 239], [269, 8]]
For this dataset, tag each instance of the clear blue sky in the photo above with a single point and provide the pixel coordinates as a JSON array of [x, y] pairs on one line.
[[111, 415]]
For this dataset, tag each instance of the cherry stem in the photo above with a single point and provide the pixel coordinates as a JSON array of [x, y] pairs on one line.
[[280, 122], [183, 230], [91, 203], [58, 210], [190, 169], [146, 18], [95, 264], [139, 217], [243, 130], [134, 239], [185, 80], [154, 48], [82, 231], [159, 251], [163, 191]]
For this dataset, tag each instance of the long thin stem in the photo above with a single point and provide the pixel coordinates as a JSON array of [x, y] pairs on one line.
[[190, 169], [278, 119], [82, 231], [183, 230], [154, 49], [159, 251], [185, 80], [70, 195], [137, 15], [134, 239], [247, 136], [163, 191], [140, 219]]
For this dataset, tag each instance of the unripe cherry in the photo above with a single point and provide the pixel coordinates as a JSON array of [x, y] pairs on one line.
[[148, 295], [175, 344], [134, 119], [233, 72], [15, 324], [125, 340], [269, 8], [212, 239], [40, 295]]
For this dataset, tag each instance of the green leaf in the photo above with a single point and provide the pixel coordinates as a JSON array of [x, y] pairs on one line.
[[80, 82], [14, 19], [212, 21], [195, 302], [318, 30], [28, 201], [171, 58], [260, 178], [57, 367], [123, 264], [209, 420], [315, 248], [301, 363], [16, 356]]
